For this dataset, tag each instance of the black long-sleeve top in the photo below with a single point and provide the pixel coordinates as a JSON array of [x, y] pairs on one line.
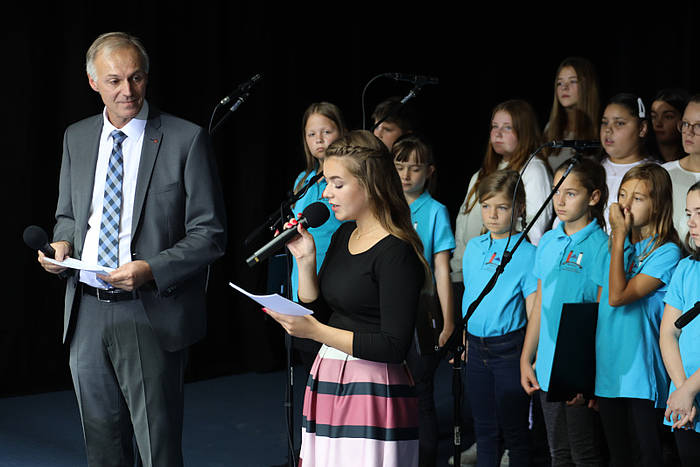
[[374, 294]]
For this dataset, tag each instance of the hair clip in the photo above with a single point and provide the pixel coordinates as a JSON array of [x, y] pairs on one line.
[[640, 106]]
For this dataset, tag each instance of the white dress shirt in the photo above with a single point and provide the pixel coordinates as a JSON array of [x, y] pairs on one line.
[[131, 153]]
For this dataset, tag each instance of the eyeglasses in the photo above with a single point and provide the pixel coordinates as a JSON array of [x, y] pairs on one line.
[[685, 126]]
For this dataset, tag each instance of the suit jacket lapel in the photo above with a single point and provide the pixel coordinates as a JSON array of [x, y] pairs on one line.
[[151, 143], [85, 174]]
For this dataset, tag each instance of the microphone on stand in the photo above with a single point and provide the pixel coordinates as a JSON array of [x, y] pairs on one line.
[[241, 89], [418, 80], [578, 144], [314, 215]]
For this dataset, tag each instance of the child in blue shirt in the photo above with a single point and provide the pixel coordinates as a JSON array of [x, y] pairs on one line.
[[322, 124], [497, 328], [566, 259], [681, 347], [415, 164], [631, 381]]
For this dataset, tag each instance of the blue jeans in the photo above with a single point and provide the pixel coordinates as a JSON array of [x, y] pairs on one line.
[[499, 403]]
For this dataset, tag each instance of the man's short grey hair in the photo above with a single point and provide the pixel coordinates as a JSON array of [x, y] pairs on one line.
[[110, 41]]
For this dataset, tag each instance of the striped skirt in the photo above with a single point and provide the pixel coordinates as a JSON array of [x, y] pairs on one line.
[[358, 413]]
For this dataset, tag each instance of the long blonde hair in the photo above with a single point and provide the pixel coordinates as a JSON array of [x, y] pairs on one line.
[[529, 137], [331, 112], [660, 189], [370, 162]]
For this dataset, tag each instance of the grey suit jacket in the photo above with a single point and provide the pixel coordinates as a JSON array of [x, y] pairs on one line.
[[178, 221]]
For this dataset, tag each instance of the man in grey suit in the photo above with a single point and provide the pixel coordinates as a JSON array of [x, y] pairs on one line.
[[139, 193]]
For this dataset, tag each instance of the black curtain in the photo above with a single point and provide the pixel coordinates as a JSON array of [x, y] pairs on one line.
[[200, 51]]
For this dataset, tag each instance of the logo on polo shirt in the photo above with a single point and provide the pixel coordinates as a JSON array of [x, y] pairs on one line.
[[491, 261], [572, 262]]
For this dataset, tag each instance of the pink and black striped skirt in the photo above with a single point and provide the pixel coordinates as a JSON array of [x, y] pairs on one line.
[[358, 413]]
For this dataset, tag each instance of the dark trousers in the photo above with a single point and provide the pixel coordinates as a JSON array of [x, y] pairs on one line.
[[127, 386], [422, 369], [688, 442], [574, 434], [632, 429], [499, 404]]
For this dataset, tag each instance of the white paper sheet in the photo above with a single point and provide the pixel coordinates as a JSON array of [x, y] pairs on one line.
[[77, 264], [276, 303]]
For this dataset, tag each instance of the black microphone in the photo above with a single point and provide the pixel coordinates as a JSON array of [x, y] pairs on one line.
[[35, 237], [314, 215], [578, 144], [688, 316], [241, 89], [418, 80]]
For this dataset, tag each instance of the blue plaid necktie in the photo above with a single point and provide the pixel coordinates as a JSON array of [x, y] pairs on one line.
[[108, 246]]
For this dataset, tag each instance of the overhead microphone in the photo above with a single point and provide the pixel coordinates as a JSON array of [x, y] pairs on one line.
[[36, 238], [578, 144], [241, 89], [314, 215], [418, 80]]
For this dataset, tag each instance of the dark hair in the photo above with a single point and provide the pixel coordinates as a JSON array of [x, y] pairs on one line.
[[675, 97], [689, 243], [591, 175], [635, 106], [393, 111], [412, 144], [695, 99]]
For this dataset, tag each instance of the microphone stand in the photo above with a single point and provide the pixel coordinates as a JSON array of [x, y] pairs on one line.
[[455, 343], [411, 94], [241, 99], [278, 218]]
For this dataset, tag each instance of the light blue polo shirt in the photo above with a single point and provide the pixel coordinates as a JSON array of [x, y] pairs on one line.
[[322, 234], [683, 292], [628, 357], [564, 264], [432, 223], [503, 309]]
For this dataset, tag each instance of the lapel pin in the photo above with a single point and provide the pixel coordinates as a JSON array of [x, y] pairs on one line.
[[155, 140]]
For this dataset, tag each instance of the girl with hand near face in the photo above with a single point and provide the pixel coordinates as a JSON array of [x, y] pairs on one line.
[[415, 165], [575, 107], [631, 381], [360, 407], [496, 330], [566, 259], [666, 114], [679, 347], [686, 171], [623, 132]]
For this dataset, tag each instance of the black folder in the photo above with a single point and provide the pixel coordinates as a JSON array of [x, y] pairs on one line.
[[573, 368]]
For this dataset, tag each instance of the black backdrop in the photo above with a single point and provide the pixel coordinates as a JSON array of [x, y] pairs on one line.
[[202, 50]]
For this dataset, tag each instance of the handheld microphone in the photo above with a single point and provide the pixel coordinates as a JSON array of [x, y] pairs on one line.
[[688, 316], [36, 238], [314, 215], [241, 89], [578, 144], [418, 80]]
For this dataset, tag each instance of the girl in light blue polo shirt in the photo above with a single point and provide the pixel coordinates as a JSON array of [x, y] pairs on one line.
[[631, 381], [566, 259], [322, 124], [497, 328], [681, 347], [415, 164]]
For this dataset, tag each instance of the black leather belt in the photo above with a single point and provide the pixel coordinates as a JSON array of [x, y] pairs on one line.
[[109, 295]]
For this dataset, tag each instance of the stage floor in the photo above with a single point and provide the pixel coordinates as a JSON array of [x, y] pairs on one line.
[[236, 420]]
